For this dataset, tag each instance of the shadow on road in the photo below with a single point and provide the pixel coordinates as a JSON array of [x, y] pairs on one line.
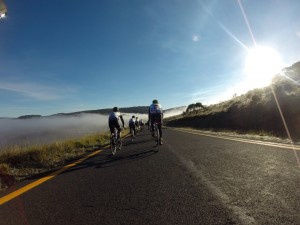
[[130, 152], [105, 159]]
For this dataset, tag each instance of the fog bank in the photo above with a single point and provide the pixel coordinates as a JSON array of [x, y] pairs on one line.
[[46, 130], [174, 111]]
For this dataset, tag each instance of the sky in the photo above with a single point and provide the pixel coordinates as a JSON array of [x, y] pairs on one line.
[[66, 56]]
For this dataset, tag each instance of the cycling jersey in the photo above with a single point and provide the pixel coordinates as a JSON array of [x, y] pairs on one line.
[[155, 108], [141, 122], [114, 116], [114, 121], [136, 122], [131, 122]]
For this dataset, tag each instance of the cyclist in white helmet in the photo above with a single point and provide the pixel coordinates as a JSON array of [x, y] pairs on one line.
[[137, 124], [132, 125], [141, 122], [114, 121], [156, 115]]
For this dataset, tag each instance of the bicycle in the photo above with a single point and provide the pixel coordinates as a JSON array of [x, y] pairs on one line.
[[137, 128], [141, 128], [132, 136], [156, 134], [115, 142]]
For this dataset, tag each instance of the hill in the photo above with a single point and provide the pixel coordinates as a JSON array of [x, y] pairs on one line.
[[273, 110], [135, 109]]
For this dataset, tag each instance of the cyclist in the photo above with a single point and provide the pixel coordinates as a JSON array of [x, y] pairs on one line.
[[156, 115], [132, 125], [114, 121], [141, 122], [137, 124]]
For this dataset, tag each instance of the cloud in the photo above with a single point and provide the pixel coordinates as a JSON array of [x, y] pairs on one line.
[[35, 91], [195, 38], [298, 33]]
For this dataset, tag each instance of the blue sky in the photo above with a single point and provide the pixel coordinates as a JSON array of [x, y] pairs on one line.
[[65, 56]]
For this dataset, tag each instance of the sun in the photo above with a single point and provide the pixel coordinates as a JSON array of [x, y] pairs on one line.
[[262, 63]]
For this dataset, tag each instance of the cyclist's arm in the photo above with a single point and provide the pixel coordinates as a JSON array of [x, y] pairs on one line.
[[121, 117]]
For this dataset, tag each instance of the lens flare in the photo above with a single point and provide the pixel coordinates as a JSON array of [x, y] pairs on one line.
[[262, 63]]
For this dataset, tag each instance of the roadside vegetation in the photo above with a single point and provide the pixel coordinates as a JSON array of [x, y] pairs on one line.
[[18, 162], [259, 111]]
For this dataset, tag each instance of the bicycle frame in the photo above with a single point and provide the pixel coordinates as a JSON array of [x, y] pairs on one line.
[[132, 134], [156, 133], [115, 142]]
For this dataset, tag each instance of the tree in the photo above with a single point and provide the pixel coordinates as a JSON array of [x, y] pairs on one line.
[[195, 106]]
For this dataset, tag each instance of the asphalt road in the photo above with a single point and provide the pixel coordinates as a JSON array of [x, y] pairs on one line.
[[192, 179]]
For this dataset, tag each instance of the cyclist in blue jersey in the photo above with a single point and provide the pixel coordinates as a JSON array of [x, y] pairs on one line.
[[132, 125], [141, 123], [137, 124], [155, 115], [114, 121]]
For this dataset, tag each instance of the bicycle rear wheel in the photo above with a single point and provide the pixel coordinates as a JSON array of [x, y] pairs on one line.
[[132, 135], [156, 135], [113, 145], [119, 144]]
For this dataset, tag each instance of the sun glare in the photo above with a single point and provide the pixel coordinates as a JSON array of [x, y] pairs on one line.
[[262, 63]]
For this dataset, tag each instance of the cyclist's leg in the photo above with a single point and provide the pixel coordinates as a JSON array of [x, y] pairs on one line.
[[111, 128], [160, 125], [159, 129], [131, 129], [117, 125], [119, 132], [152, 124], [134, 130], [112, 140]]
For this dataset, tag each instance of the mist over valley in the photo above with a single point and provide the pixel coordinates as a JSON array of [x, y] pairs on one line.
[[35, 130]]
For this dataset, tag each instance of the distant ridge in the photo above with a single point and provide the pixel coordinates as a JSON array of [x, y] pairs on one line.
[[133, 110], [29, 116]]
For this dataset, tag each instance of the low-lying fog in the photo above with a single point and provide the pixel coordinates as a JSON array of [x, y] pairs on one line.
[[50, 129]]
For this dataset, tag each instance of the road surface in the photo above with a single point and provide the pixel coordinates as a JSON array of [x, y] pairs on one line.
[[192, 179]]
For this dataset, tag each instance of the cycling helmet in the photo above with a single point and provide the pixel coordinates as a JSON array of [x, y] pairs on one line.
[[155, 101], [116, 109]]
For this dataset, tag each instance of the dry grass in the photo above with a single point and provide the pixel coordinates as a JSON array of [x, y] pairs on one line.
[[23, 161], [255, 112]]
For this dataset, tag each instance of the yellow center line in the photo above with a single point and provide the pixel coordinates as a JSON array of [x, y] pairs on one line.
[[278, 145], [28, 187]]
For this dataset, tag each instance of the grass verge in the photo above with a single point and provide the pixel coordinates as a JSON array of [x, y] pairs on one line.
[[18, 162]]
